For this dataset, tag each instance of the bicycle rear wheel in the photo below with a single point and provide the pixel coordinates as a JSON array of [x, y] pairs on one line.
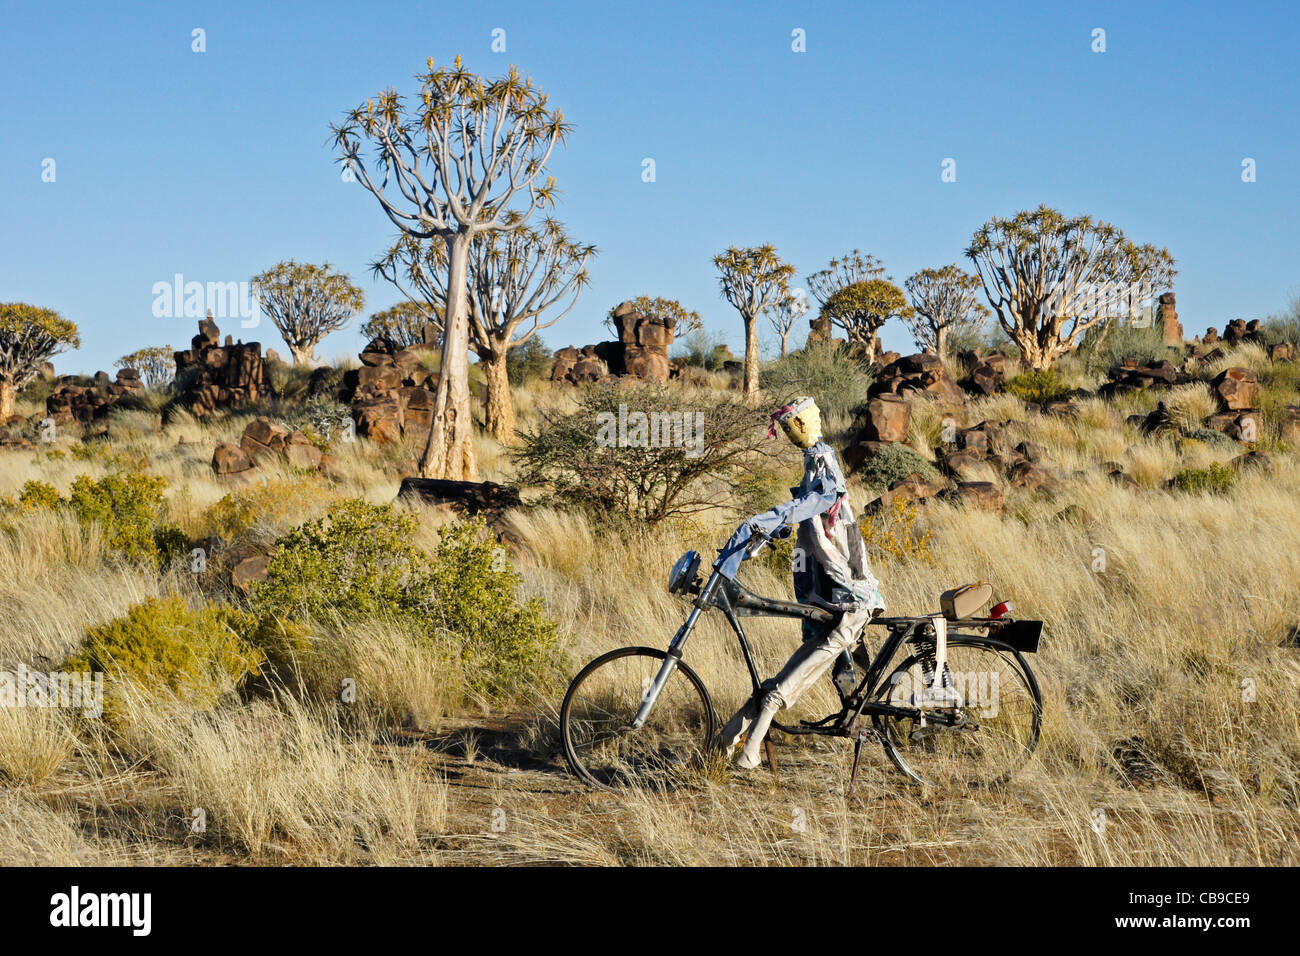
[[995, 704], [600, 744]]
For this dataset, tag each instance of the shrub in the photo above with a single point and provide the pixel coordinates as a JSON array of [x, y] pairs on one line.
[[824, 371], [359, 562], [626, 451], [130, 508], [1109, 343], [894, 463], [1216, 479], [163, 643], [1038, 387], [1210, 437], [892, 534], [38, 494], [702, 349], [263, 512], [529, 361]]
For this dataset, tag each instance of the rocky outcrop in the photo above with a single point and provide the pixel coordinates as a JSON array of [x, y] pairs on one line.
[[72, 402], [213, 376], [1171, 330], [641, 351], [392, 393]]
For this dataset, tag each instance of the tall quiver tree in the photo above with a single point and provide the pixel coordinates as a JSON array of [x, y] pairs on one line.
[[862, 308], [1050, 278], [752, 280], [783, 315], [306, 302], [29, 337], [516, 277], [403, 324], [843, 271], [945, 304], [456, 159]]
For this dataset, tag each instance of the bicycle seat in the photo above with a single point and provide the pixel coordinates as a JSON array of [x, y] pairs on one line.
[[962, 602]]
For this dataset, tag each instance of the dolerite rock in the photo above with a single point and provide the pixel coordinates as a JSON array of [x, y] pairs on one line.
[[1031, 451], [988, 373], [640, 351], [462, 498], [1239, 330], [263, 439], [214, 376], [1171, 330], [983, 495], [887, 419], [1242, 426], [1258, 460], [965, 465], [71, 402], [249, 571], [1130, 376], [911, 488], [229, 459], [1157, 421], [1282, 352], [391, 394], [1026, 474], [1289, 425], [301, 453], [922, 374], [1211, 336], [1237, 388]]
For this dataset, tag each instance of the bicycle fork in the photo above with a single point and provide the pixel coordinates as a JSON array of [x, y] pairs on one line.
[[665, 671]]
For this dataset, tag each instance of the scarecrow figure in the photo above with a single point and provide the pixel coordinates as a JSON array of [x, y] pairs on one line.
[[830, 570]]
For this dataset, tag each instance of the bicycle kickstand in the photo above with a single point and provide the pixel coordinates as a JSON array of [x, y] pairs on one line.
[[857, 761], [771, 759]]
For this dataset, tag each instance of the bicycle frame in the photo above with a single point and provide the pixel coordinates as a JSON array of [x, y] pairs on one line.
[[735, 601]]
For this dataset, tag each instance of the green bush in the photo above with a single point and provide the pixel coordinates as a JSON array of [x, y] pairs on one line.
[[1210, 437], [1216, 479], [894, 463], [529, 361], [703, 349], [827, 372], [1038, 387], [38, 494], [359, 561], [130, 508], [163, 643]]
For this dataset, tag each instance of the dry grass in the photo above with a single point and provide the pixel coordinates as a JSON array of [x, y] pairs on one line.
[[1172, 715]]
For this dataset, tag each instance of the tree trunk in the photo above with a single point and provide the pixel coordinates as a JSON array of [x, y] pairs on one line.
[[500, 415], [751, 361], [940, 340], [302, 354], [450, 449], [8, 396], [785, 337]]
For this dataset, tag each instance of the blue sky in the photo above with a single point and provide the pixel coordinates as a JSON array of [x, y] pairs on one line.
[[216, 165]]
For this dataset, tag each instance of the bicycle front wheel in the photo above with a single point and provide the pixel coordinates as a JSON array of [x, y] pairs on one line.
[[975, 730], [603, 748]]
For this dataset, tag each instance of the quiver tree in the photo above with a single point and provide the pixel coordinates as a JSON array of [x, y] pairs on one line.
[[861, 309], [403, 324], [783, 314], [515, 277], [29, 337], [752, 279], [1051, 278], [156, 365], [843, 271], [945, 305], [448, 165], [306, 302], [672, 313]]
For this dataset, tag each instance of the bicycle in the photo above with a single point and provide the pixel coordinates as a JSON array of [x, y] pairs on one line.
[[962, 709]]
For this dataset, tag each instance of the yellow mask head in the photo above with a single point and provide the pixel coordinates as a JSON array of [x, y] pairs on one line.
[[801, 421]]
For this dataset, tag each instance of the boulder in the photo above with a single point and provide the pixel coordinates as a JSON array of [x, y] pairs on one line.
[[229, 459], [887, 419], [1237, 388], [250, 571], [983, 495]]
